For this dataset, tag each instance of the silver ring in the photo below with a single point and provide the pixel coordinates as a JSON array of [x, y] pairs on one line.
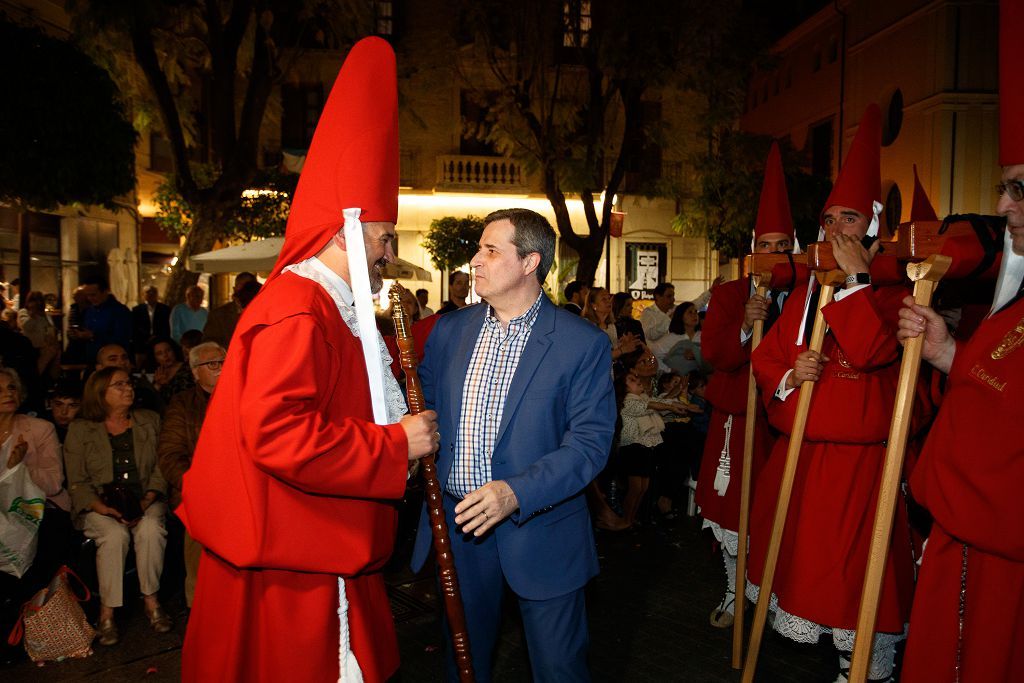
[[484, 513]]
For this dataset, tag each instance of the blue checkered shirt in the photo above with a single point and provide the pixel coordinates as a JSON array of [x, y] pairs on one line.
[[491, 369]]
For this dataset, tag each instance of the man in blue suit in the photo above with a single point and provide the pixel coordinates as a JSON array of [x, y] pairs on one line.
[[526, 411]]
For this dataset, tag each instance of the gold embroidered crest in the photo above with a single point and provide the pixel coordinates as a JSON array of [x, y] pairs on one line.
[[1013, 339]]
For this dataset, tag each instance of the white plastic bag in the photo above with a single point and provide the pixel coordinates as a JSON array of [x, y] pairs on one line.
[[21, 511]]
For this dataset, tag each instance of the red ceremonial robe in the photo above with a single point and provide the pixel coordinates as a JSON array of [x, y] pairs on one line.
[[292, 485], [820, 571], [969, 476], [727, 394]]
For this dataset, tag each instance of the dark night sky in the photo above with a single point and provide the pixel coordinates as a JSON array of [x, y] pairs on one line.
[[781, 16]]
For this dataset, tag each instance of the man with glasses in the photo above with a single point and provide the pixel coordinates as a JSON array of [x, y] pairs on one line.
[[179, 434], [968, 623]]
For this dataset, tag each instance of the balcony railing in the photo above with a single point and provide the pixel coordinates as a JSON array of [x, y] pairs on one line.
[[480, 174]]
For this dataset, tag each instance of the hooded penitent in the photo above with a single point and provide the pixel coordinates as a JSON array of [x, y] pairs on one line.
[[859, 184], [773, 213], [1011, 136], [921, 208], [353, 159]]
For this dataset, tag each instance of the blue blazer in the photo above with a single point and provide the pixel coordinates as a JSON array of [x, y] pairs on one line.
[[553, 440]]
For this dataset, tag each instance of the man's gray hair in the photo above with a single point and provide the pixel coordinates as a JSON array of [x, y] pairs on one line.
[[196, 351], [532, 233], [14, 379]]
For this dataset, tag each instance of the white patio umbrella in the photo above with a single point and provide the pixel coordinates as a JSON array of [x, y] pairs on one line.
[[260, 255]]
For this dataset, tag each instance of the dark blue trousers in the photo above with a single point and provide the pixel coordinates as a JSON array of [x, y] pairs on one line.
[[556, 629]]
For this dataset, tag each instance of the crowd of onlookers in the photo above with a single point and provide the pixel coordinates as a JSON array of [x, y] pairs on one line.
[[660, 377], [106, 425], [107, 422]]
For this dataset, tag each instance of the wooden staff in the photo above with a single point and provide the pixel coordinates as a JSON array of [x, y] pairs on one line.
[[828, 281], [761, 282], [453, 608], [925, 277]]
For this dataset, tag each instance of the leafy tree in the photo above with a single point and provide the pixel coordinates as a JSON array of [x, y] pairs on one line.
[[566, 93], [202, 73], [722, 203], [721, 200], [64, 135], [452, 241], [261, 212]]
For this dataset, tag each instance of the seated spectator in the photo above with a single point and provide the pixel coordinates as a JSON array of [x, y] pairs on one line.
[[9, 318], [656, 317], [190, 315], [672, 467], [146, 396], [178, 437], [641, 438], [189, 341], [16, 352], [36, 326], [622, 314], [62, 405], [33, 441], [598, 310], [172, 373], [114, 442], [680, 348], [696, 387]]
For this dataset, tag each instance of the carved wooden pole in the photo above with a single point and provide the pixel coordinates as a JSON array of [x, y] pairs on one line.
[[925, 276], [828, 281], [761, 282], [447, 577]]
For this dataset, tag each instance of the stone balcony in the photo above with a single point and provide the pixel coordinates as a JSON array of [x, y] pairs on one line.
[[464, 173]]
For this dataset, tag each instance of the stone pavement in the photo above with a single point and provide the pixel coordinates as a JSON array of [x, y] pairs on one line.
[[648, 613]]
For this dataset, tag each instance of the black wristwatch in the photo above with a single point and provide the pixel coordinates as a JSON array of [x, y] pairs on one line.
[[858, 279]]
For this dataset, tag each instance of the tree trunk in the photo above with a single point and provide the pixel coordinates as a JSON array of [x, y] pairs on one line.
[[590, 251], [200, 239]]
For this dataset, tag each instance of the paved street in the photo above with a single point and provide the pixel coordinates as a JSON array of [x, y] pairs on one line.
[[648, 613]]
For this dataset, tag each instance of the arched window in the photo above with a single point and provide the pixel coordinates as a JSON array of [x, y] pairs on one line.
[[893, 118], [892, 212]]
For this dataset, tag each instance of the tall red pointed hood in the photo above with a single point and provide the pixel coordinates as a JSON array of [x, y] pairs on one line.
[[353, 159], [1011, 91], [859, 184], [921, 209], [773, 213]]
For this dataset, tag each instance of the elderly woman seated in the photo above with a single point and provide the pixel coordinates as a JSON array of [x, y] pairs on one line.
[[32, 441], [117, 492]]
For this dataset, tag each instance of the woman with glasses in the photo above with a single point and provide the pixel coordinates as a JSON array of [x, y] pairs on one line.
[[117, 492]]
